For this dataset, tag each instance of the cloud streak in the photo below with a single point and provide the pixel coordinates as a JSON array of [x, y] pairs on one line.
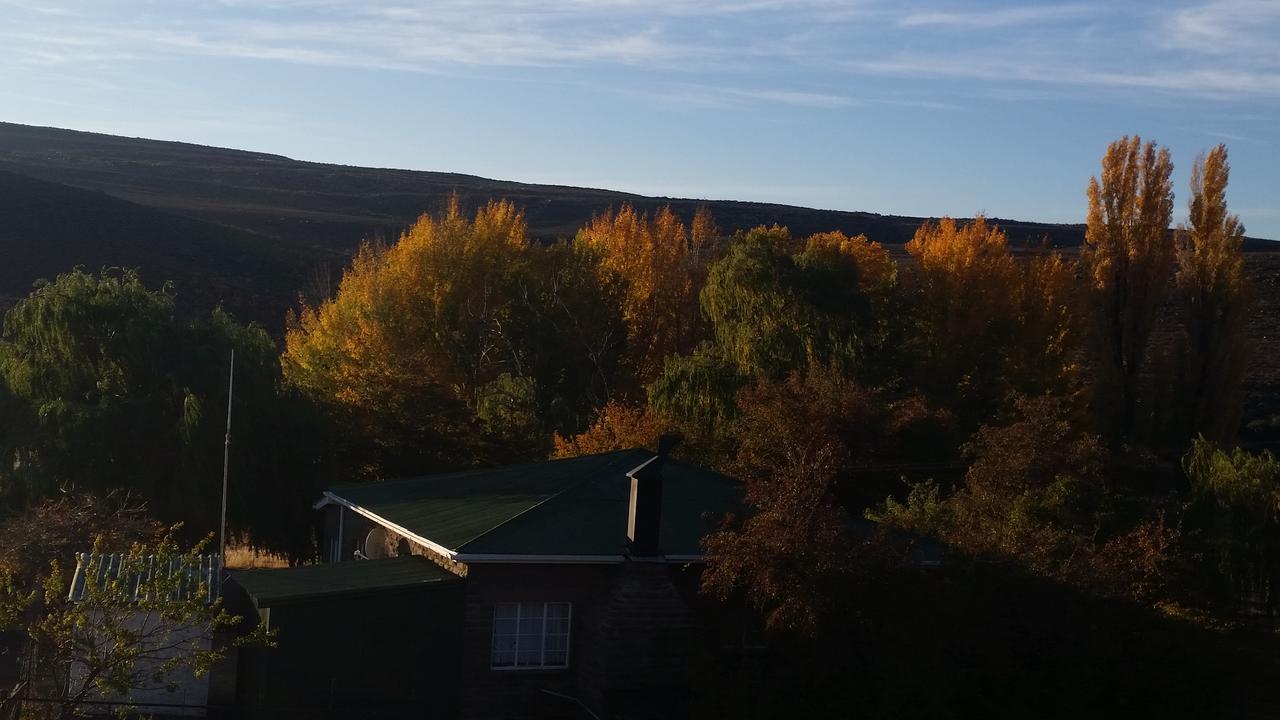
[[998, 17], [1218, 48]]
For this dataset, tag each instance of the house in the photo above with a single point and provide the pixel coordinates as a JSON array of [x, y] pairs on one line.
[[565, 588]]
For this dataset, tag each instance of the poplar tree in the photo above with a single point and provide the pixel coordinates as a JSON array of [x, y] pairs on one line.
[[1127, 259], [1214, 293]]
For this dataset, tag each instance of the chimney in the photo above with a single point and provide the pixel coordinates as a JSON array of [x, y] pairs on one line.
[[644, 513]]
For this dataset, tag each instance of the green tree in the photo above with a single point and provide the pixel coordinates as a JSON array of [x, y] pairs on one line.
[[775, 307], [108, 386], [1237, 497]]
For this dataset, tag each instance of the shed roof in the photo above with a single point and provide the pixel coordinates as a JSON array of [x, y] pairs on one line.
[[136, 576], [272, 586], [571, 507]]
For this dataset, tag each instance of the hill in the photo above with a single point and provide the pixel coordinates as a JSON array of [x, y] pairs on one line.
[[332, 207], [47, 228]]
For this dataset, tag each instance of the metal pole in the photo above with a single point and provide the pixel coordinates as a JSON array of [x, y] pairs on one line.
[[226, 456]]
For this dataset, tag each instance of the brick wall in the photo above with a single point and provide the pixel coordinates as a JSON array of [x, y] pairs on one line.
[[632, 636], [631, 640]]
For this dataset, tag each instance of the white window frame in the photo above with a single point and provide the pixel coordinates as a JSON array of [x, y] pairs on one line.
[[521, 606]]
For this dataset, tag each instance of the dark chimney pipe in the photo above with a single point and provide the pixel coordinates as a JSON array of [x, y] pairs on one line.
[[644, 514]]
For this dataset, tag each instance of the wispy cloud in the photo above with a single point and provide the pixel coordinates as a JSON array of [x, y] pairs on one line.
[[998, 17], [1215, 48]]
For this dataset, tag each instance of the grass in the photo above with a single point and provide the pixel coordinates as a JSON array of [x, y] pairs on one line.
[[242, 556]]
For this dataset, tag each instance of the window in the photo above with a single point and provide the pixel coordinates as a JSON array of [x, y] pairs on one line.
[[533, 635]]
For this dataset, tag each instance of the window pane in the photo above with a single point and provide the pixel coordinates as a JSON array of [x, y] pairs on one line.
[[558, 658], [504, 635], [530, 652], [504, 651], [531, 621]]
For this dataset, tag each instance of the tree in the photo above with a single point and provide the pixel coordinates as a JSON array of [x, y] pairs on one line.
[[58, 528], [1214, 294], [796, 442], [133, 622], [775, 307], [986, 325], [461, 343], [661, 264], [1237, 496], [773, 310], [108, 386], [1127, 259], [618, 427]]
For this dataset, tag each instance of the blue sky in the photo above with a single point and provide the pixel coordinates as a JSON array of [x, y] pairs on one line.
[[894, 107]]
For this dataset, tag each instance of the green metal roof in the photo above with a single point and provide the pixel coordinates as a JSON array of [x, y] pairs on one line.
[[271, 586], [576, 506]]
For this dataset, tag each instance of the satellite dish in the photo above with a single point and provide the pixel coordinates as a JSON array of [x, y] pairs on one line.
[[375, 544]]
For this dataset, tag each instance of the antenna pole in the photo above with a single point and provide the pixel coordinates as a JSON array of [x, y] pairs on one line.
[[226, 456]]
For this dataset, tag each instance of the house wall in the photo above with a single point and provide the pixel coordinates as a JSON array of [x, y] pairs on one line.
[[515, 693], [631, 638], [381, 654], [633, 634]]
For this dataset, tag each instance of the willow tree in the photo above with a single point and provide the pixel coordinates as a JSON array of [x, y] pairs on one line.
[[1128, 260], [1214, 292], [105, 385], [984, 324], [775, 306]]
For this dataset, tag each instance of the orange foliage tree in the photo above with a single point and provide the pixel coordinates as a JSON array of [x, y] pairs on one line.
[[1214, 292], [1128, 261], [661, 264], [985, 324], [617, 427]]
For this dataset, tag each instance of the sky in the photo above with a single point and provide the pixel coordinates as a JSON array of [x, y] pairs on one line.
[[893, 107]]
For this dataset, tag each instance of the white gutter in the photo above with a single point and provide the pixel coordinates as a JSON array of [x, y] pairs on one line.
[[685, 558], [539, 559], [330, 497]]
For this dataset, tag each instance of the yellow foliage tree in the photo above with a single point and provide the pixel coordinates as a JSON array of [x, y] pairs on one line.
[[462, 331], [1214, 292], [985, 323], [397, 350], [1128, 261], [662, 265], [877, 272]]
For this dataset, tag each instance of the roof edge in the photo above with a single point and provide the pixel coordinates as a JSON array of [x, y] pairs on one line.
[[338, 500], [544, 501], [520, 559]]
